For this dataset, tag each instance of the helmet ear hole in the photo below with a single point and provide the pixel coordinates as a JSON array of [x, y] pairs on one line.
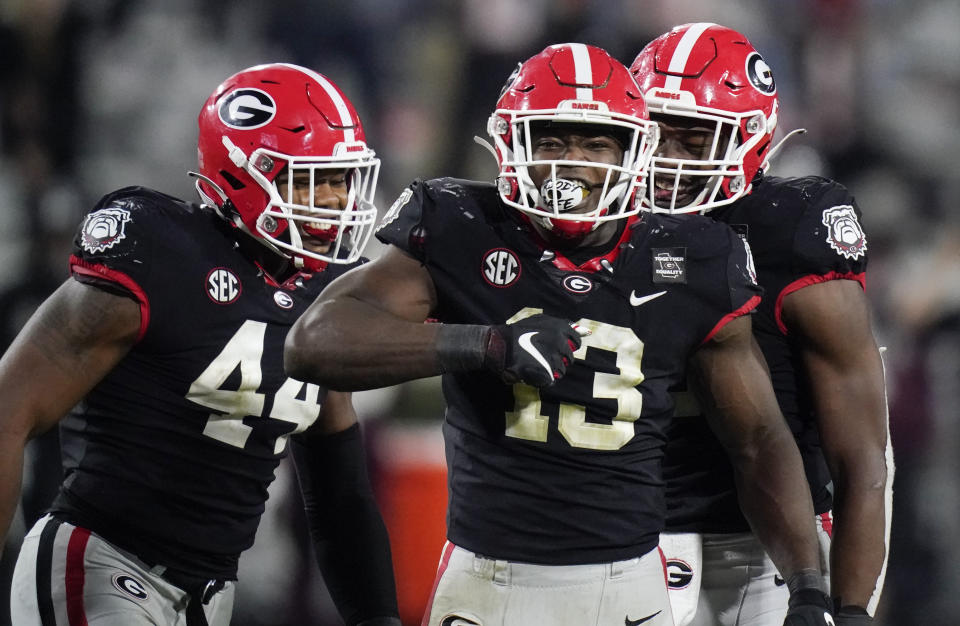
[[234, 182]]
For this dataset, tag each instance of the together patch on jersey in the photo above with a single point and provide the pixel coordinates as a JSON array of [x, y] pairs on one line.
[[669, 265], [844, 233]]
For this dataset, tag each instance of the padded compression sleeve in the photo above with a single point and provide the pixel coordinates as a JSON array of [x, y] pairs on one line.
[[349, 536]]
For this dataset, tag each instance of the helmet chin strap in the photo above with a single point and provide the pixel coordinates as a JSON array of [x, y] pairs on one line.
[[486, 144], [776, 148]]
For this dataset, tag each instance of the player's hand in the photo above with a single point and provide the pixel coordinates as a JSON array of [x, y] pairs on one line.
[[809, 607], [852, 616], [535, 350]]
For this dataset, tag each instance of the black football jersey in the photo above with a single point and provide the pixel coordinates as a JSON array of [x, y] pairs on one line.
[[171, 454], [569, 473], [801, 231]]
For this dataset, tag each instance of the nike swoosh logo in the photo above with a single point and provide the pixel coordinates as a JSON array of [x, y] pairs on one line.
[[633, 622], [526, 342], [638, 300]]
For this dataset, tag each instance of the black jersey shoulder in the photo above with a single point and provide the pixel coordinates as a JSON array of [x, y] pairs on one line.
[[428, 208], [126, 225], [702, 236], [802, 226]]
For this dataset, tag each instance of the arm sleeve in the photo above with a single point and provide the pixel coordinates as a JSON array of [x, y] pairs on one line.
[[348, 533]]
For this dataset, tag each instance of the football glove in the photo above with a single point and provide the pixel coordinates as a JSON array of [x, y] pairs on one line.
[[852, 616], [535, 350], [809, 607]]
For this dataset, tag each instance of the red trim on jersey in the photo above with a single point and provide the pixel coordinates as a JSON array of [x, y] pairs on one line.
[[85, 268], [444, 561], [806, 281], [748, 306], [73, 580], [826, 521], [593, 265]]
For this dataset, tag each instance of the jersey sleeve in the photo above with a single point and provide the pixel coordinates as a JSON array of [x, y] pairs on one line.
[[744, 293], [114, 244], [829, 243], [403, 224], [830, 238]]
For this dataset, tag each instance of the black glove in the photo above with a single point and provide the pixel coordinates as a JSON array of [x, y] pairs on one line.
[[852, 615], [809, 607], [381, 621], [535, 350]]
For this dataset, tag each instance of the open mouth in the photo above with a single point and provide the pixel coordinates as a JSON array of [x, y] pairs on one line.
[[316, 235], [686, 191]]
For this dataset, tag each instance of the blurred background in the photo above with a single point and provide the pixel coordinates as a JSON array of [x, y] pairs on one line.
[[101, 94]]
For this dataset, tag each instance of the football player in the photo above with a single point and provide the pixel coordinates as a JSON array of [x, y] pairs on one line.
[[164, 349], [716, 102], [564, 320]]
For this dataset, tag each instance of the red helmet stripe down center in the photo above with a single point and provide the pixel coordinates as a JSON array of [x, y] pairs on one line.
[[678, 61], [345, 120]]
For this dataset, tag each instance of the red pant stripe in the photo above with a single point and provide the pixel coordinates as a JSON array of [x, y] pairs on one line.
[[73, 583]]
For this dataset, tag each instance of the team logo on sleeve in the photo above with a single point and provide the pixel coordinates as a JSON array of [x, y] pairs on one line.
[[844, 233], [501, 267], [394, 209], [103, 229], [223, 286], [669, 265]]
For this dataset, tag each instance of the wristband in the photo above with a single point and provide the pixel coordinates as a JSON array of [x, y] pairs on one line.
[[807, 578], [462, 347]]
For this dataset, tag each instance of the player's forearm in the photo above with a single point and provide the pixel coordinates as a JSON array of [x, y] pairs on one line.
[[775, 499], [859, 542], [11, 471], [349, 536], [348, 345]]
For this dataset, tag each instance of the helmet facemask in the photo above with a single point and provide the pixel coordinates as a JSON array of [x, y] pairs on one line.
[[718, 177], [283, 220], [558, 203]]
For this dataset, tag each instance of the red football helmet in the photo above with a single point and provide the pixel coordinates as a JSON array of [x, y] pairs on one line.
[[571, 84], [270, 118], [714, 75]]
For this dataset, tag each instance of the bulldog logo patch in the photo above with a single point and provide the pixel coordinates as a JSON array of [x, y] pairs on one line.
[[844, 233], [103, 229]]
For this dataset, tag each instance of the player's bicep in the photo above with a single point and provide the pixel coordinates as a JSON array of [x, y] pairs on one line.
[[395, 283], [831, 322], [829, 318], [76, 336], [732, 383]]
